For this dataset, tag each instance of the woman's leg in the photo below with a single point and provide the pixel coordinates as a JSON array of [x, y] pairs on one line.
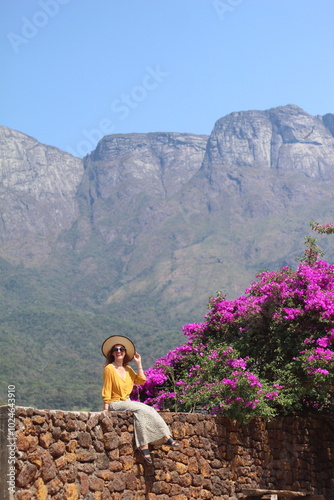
[[141, 443], [149, 426]]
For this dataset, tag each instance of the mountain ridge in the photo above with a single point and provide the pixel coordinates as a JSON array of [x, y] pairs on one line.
[[137, 235]]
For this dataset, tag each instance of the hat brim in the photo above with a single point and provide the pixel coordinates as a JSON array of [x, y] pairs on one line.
[[118, 339]]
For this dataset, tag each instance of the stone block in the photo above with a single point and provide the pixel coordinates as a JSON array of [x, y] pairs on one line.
[[115, 466], [185, 480], [71, 492], [96, 484], [61, 462], [71, 446], [26, 475], [206, 494], [68, 475], [175, 491], [71, 425], [126, 438], [42, 491], [195, 492], [84, 439], [54, 486], [179, 431], [111, 440], [131, 482], [161, 488], [102, 461], [84, 483], [127, 462], [23, 495], [98, 445], [107, 424], [197, 479], [180, 468], [25, 443], [92, 421], [105, 474], [204, 468], [117, 484], [86, 455], [193, 465], [71, 457], [57, 449], [80, 426], [35, 458], [86, 468]]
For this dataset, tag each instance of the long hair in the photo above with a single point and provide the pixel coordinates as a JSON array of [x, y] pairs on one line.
[[111, 358]]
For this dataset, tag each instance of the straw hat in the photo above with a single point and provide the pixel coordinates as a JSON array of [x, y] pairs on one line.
[[118, 339]]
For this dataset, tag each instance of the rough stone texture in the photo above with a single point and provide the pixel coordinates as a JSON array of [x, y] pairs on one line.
[[328, 121], [283, 138], [38, 186], [254, 163], [263, 162], [137, 179], [217, 460], [159, 163]]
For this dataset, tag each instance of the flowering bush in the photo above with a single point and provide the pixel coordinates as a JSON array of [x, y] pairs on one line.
[[271, 351], [322, 228]]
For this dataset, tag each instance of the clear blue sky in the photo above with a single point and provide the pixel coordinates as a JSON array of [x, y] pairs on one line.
[[75, 70]]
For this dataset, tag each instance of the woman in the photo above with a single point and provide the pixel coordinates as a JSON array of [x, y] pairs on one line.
[[118, 382]]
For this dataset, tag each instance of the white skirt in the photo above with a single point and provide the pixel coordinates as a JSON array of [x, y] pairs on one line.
[[149, 426]]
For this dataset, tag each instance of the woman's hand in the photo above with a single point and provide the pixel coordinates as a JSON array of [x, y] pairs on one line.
[[137, 359]]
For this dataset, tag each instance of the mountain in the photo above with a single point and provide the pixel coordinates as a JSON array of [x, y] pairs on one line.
[[134, 238], [38, 195]]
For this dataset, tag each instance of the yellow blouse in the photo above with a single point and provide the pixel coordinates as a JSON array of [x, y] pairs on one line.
[[115, 388]]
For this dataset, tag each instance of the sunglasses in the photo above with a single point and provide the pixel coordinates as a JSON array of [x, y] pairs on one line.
[[116, 349]]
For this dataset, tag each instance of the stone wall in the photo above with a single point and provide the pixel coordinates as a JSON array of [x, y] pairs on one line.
[[70, 455]]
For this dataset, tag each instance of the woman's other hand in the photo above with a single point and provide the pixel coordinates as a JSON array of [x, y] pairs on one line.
[[137, 359]]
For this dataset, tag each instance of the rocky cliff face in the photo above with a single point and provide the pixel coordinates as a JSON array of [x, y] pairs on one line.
[[37, 194], [136, 175], [157, 163], [268, 159], [255, 163], [281, 139]]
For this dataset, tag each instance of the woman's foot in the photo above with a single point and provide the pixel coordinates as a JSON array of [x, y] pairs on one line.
[[171, 442], [145, 453]]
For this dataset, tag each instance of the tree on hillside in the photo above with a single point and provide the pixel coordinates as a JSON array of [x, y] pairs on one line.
[[268, 352]]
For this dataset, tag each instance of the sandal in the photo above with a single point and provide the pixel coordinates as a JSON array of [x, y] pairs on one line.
[[145, 453], [171, 442]]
